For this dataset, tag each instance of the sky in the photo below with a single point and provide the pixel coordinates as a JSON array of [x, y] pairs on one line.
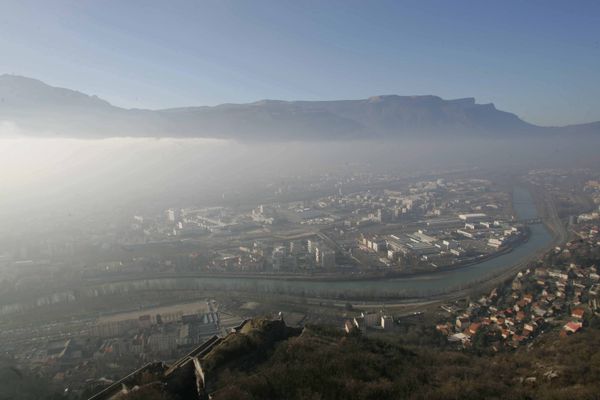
[[538, 59]]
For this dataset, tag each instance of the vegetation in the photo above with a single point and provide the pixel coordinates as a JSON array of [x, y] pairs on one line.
[[324, 364], [253, 344]]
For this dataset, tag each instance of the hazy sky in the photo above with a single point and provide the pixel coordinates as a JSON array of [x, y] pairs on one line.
[[539, 59]]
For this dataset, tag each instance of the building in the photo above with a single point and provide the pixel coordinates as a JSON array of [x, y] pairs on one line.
[[387, 322], [578, 313], [378, 245], [278, 258], [173, 215], [497, 242], [572, 327], [327, 258], [475, 217]]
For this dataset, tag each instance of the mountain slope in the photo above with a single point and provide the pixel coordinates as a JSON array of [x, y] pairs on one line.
[[327, 365], [323, 363], [39, 109]]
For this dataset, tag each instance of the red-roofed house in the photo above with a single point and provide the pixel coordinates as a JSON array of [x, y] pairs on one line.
[[474, 327], [578, 313], [572, 327]]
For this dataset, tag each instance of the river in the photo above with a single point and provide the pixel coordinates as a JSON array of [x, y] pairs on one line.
[[434, 283], [419, 285]]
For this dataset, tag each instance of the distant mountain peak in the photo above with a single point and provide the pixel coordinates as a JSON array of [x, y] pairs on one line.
[[395, 97], [18, 79], [38, 107], [21, 92]]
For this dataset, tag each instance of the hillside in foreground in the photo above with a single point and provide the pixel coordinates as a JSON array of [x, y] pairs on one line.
[[323, 363]]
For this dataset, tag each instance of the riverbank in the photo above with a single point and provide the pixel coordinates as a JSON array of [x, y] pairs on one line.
[[439, 284], [318, 276]]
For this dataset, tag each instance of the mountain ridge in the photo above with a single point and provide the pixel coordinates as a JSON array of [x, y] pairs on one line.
[[42, 110]]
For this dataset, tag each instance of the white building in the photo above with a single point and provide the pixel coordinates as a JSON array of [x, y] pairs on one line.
[[473, 217]]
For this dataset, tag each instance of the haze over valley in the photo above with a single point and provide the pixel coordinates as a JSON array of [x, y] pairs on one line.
[[299, 200], [91, 155]]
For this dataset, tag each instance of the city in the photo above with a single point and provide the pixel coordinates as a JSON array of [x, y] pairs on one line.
[[233, 200], [142, 311]]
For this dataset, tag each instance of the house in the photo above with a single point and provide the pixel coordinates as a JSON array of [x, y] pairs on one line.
[[462, 321], [474, 327], [445, 329], [529, 327], [371, 320], [458, 337], [578, 313], [387, 322], [539, 311], [520, 305], [348, 326], [541, 281], [359, 323], [572, 327]]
